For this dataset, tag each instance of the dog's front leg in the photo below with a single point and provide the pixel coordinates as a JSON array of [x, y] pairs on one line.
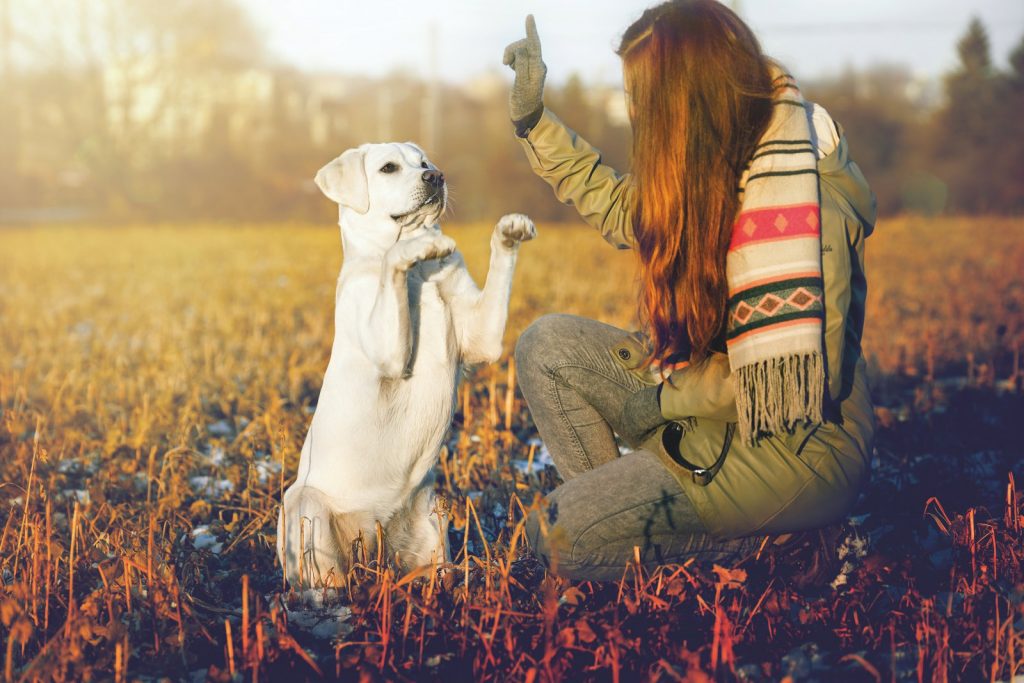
[[385, 334], [481, 315]]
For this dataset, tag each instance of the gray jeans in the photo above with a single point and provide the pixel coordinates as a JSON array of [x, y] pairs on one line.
[[609, 503]]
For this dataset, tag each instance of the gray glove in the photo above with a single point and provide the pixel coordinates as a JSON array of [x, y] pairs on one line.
[[641, 415], [526, 100]]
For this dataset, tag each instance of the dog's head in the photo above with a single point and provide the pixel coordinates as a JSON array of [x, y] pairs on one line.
[[393, 180]]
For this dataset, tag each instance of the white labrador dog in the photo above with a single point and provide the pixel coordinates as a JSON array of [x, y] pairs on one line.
[[407, 316]]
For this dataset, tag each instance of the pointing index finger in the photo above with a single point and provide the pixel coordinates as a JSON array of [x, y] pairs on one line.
[[531, 29]]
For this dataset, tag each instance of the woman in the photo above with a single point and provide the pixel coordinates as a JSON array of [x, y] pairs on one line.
[[746, 397]]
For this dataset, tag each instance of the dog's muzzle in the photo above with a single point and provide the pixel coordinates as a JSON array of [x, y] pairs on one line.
[[432, 199]]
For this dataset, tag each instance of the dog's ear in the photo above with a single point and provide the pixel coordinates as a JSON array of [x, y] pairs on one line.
[[344, 181]]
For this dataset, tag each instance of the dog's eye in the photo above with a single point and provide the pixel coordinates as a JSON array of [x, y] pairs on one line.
[[423, 164], [389, 167]]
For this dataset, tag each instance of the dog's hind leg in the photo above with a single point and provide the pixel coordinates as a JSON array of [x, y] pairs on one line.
[[316, 543], [417, 535]]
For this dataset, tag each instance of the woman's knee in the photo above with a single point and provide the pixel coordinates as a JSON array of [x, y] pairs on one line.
[[544, 341], [565, 549], [557, 531], [552, 546]]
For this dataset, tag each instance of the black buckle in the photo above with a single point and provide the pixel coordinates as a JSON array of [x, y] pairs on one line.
[[671, 439], [701, 476]]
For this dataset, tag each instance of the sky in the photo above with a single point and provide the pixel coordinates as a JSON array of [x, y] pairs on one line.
[[814, 38]]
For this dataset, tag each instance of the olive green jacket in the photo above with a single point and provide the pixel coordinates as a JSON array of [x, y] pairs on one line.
[[787, 482]]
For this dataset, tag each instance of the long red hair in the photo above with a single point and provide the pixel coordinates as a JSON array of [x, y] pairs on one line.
[[700, 99]]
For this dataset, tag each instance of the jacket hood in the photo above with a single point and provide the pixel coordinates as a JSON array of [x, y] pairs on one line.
[[844, 177]]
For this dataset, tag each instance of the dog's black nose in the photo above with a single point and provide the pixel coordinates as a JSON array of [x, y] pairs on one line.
[[433, 177]]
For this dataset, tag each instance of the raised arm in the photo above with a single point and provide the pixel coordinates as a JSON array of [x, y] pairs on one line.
[[566, 161], [574, 170]]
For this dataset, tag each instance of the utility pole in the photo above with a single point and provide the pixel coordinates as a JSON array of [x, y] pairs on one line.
[[6, 39], [431, 115], [384, 106], [9, 135]]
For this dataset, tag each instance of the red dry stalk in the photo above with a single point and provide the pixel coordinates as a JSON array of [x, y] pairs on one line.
[[245, 620], [973, 548], [1012, 517]]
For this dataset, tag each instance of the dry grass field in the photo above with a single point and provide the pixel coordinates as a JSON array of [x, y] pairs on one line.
[[155, 388]]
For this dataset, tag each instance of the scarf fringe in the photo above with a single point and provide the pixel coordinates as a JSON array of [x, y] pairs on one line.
[[774, 394]]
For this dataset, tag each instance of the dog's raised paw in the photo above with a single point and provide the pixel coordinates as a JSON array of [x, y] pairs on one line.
[[514, 228], [423, 248], [442, 246]]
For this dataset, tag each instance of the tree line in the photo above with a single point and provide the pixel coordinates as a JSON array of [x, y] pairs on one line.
[[964, 154], [139, 110]]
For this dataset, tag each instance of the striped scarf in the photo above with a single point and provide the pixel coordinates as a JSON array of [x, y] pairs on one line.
[[775, 309]]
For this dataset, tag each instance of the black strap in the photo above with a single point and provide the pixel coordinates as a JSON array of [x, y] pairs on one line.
[[672, 437]]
